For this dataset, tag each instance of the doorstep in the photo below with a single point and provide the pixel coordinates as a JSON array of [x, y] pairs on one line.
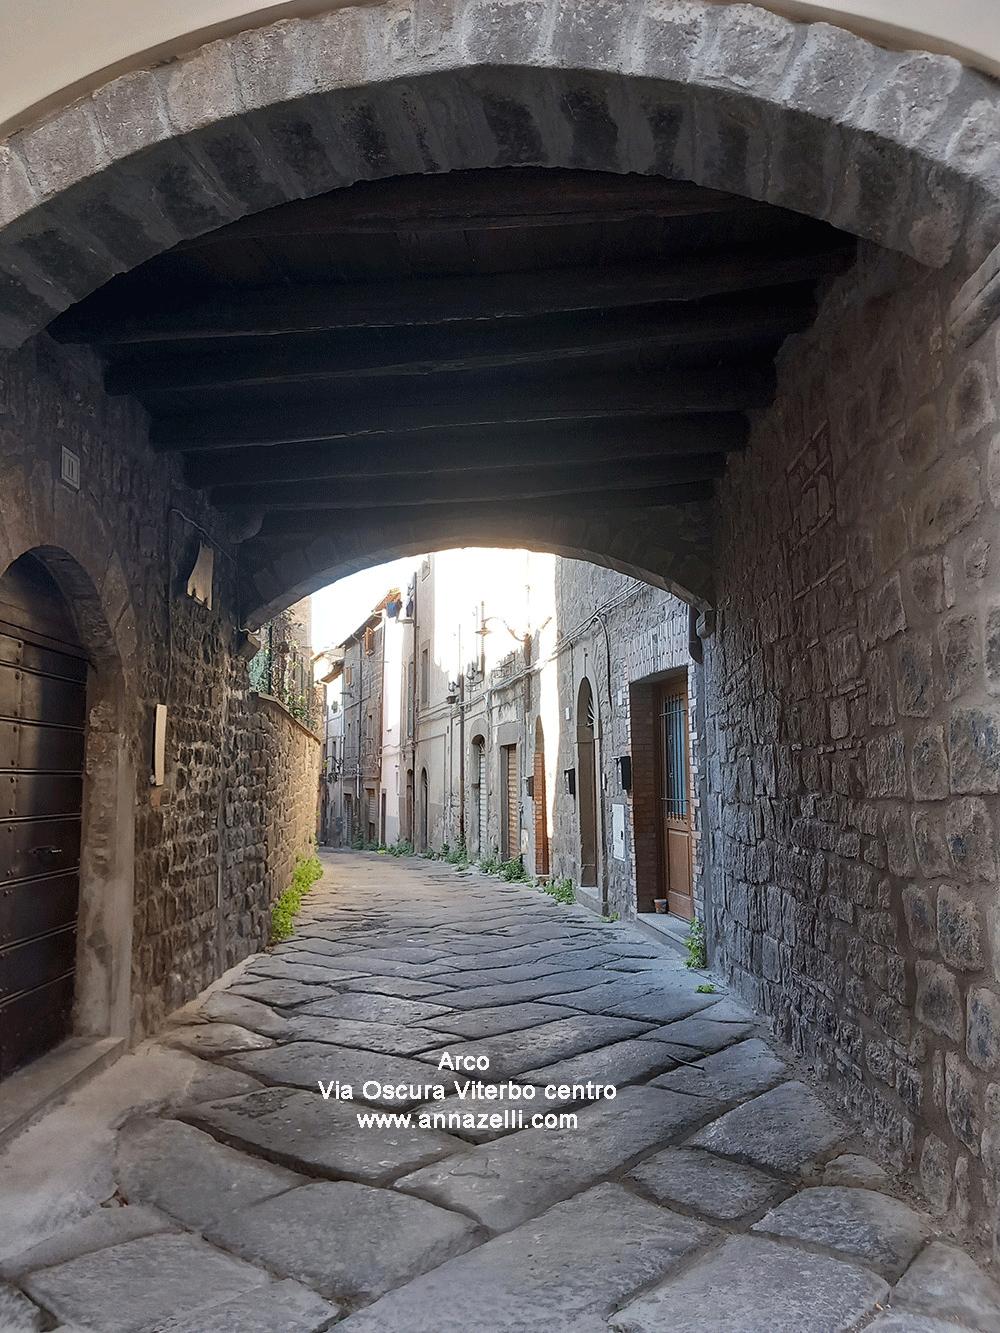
[[664, 928], [28, 1092], [589, 898]]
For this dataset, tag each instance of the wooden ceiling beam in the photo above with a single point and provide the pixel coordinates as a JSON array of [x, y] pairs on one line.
[[497, 483], [479, 201], [279, 311], [305, 525], [480, 347], [366, 416], [470, 449]]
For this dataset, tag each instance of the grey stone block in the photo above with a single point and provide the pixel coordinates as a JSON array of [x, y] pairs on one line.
[[945, 1283], [782, 1129], [131, 112], [99, 1231], [304, 1064], [938, 1002], [959, 930], [513, 1053], [375, 1008], [63, 150], [884, 1233], [210, 1039], [707, 1184], [287, 1306], [619, 1063], [18, 1314], [503, 1184], [852, 1170], [128, 1288], [559, 1272], [382, 1237], [740, 1071], [899, 1321], [478, 1023], [189, 1175], [224, 1006], [757, 1286], [982, 1039], [712, 1030], [304, 1131], [383, 1037], [315, 973]]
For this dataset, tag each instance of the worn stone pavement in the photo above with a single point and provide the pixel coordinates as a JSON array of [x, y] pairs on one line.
[[205, 1185]]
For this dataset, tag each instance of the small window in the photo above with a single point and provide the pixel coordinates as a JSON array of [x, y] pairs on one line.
[[369, 641], [348, 676], [425, 674]]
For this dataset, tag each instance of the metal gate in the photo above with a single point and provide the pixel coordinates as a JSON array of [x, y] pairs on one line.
[[675, 809], [483, 801], [43, 674]]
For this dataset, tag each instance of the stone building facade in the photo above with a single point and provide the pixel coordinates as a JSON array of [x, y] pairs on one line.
[[852, 723], [176, 876]]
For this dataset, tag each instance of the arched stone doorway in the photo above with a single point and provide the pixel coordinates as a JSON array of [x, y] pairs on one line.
[[67, 832]]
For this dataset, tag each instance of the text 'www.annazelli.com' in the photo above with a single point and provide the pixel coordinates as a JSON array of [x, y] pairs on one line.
[[512, 1117]]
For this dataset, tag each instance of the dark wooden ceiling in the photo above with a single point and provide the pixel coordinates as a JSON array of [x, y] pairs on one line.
[[521, 336]]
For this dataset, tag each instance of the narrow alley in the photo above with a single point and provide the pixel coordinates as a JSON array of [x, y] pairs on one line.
[[306, 1152]]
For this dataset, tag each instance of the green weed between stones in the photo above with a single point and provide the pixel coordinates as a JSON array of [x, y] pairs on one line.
[[697, 949], [307, 872], [561, 890]]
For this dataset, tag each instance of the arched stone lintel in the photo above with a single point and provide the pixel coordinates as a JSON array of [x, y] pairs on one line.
[[669, 548], [900, 147]]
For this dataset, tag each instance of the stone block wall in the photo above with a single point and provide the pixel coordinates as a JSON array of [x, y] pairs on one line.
[[638, 634], [853, 722], [176, 879]]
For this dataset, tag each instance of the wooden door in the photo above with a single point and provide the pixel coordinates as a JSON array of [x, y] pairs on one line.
[[586, 745], [511, 823], [43, 676], [675, 805]]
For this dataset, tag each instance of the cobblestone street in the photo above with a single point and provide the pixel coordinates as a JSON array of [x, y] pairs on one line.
[[715, 1193]]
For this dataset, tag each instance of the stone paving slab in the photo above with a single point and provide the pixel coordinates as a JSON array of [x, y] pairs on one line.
[[739, 1071], [210, 1082], [901, 1321], [187, 1174], [944, 1282], [706, 1184], [386, 1038], [782, 1129], [757, 1286], [403, 987], [382, 1237], [559, 985], [511, 1053], [129, 1288], [503, 1184], [883, 1232], [224, 1006], [318, 973], [370, 965], [304, 1064], [475, 1023], [18, 1314], [282, 1307], [210, 1039], [375, 1008], [501, 974], [305, 1132], [707, 1032], [850, 1169], [281, 994], [566, 1267], [101, 1229], [661, 1006], [620, 1063], [598, 993]]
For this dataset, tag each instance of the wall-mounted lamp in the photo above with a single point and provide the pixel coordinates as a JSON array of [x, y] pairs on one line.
[[199, 584]]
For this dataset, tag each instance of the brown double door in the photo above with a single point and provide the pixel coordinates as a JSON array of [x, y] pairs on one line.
[[674, 799], [43, 675]]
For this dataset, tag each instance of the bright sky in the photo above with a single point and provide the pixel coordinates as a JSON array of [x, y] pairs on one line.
[[339, 609]]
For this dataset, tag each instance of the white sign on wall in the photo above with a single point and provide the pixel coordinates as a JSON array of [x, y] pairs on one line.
[[618, 832]]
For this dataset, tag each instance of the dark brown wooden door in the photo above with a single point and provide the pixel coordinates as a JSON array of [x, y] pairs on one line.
[[511, 821], [43, 677], [675, 805]]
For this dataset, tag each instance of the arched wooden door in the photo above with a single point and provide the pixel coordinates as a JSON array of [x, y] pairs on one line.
[[43, 678]]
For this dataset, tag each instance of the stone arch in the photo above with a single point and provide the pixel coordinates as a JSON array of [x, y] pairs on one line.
[[899, 148], [102, 1006]]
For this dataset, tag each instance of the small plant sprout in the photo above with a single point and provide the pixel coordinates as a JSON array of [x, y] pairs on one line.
[[697, 949]]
